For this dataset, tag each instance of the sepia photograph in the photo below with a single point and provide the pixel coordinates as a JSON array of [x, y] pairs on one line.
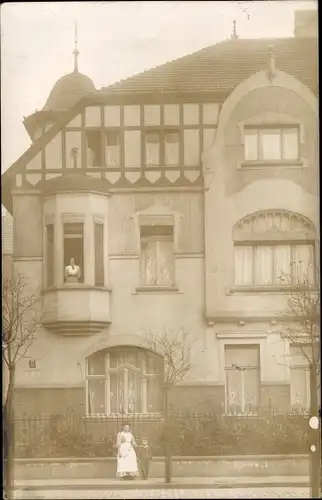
[[160, 237]]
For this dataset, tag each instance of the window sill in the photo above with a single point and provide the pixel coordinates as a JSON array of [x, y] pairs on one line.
[[269, 289], [75, 286], [155, 289], [271, 163]]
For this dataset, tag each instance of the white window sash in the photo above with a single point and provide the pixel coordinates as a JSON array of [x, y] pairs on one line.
[[112, 155]]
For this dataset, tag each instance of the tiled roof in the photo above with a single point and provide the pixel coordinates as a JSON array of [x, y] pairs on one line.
[[221, 67], [7, 234]]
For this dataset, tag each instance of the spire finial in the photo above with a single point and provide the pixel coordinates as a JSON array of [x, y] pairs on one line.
[[271, 63], [76, 53], [234, 35]]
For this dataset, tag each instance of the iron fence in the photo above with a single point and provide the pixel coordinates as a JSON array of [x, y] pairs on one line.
[[191, 434]]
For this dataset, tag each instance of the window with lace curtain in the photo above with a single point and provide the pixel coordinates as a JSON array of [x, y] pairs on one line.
[[124, 380], [157, 255], [242, 369], [272, 245], [162, 148], [272, 143], [300, 377]]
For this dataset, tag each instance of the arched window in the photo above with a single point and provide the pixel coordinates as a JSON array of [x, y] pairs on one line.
[[273, 245], [124, 380]]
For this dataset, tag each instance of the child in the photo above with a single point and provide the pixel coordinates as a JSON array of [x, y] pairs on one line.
[[145, 458]]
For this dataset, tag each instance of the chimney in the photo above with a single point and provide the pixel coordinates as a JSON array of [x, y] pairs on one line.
[[306, 23]]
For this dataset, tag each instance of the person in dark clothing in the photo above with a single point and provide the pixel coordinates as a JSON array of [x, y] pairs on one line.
[[145, 457]]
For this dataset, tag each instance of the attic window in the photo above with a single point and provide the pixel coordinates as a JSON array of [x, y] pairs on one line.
[[272, 143]]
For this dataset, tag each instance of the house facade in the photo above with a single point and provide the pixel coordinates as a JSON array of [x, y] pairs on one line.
[[182, 194]]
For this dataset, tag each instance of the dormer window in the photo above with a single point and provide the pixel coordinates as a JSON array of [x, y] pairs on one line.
[[280, 143]]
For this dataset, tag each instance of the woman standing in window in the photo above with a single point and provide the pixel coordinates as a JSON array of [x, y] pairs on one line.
[[127, 465]]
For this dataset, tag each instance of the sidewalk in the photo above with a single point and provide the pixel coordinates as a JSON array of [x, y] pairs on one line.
[[158, 483]]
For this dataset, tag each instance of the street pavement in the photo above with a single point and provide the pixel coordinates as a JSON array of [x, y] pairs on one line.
[[255, 492]]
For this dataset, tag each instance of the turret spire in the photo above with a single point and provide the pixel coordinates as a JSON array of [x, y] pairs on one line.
[[234, 35], [76, 53]]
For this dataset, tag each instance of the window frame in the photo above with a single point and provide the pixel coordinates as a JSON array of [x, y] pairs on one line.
[[243, 346], [274, 244], [162, 132], [260, 132], [306, 373], [125, 368], [67, 236], [157, 239]]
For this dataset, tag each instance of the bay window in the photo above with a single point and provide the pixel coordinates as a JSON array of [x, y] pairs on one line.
[[242, 368], [271, 143], [124, 380], [157, 255]]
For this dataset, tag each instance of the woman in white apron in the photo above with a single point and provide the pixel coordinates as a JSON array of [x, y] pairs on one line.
[[127, 465]]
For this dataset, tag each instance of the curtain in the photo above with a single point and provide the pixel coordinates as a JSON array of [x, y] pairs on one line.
[[303, 263], [149, 263], [154, 395], [112, 155], [99, 254], [96, 396], [234, 390], [171, 149], [134, 392], [251, 390], [282, 262], [165, 263], [96, 364], [290, 144], [243, 265], [152, 149], [299, 393], [264, 265], [243, 378], [270, 141], [251, 145]]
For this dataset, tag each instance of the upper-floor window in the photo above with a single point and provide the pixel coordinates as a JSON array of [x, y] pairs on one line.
[[124, 380], [157, 255], [74, 245], [242, 367], [271, 143], [274, 248], [99, 254], [162, 148], [94, 148], [112, 150]]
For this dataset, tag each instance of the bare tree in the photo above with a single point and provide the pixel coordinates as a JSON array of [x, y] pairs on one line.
[[302, 329], [175, 347], [18, 333]]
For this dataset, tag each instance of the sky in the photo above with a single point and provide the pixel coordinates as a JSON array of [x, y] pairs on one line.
[[115, 41]]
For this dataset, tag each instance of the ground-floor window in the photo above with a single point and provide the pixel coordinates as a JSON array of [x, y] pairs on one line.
[[125, 380], [300, 379], [242, 378]]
